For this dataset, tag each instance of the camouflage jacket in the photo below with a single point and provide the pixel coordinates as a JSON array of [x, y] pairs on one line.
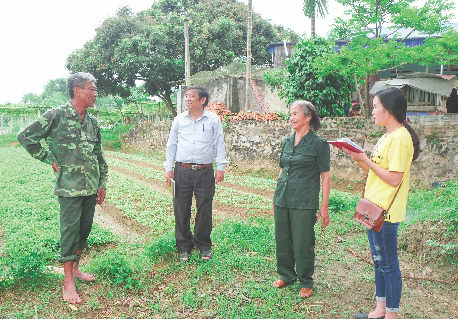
[[74, 145]]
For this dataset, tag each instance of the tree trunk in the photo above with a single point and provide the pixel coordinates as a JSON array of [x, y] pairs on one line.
[[312, 20], [367, 108], [187, 59], [169, 105], [358, 92], [248, 55]]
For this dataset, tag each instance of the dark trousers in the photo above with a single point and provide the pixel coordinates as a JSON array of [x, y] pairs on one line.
[[200, 183], [76, 217], [295, 244]]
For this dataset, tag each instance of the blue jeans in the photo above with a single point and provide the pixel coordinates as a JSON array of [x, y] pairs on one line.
[[384, 248]]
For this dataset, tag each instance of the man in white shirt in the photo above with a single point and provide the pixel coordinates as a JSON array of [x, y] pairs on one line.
[[196, 140]]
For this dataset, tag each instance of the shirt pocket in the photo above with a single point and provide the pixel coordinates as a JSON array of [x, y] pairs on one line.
[[90, 144], [206, 135], [66, 147]]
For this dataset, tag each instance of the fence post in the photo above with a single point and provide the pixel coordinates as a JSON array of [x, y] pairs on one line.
[[11, 125], [38, 113]]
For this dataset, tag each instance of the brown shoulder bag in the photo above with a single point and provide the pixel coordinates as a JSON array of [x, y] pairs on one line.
[[371, 215]]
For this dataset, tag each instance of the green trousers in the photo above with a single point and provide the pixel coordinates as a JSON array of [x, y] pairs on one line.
[[295, 244], [76, 217]]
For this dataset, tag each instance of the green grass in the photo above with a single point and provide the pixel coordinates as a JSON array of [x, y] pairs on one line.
[[236, 283], [29, 215], [110, 136], [142, 203], [7, 139]]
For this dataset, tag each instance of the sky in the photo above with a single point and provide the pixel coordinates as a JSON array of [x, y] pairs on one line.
[[37, 36]]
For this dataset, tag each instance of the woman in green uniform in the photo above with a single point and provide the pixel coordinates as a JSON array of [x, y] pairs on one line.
[[304, 162]]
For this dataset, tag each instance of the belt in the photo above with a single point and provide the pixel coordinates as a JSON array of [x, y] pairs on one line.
[[194, 166]]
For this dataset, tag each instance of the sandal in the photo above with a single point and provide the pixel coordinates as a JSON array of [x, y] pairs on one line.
[[206, 254], [184, 256]]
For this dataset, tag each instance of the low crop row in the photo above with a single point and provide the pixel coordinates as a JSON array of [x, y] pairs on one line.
[[142, 203], [153, 160], [246, 180], [29, 215], [225, 195]]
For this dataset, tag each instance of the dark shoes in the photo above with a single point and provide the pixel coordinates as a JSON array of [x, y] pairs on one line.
[[366, 316], [183, 256], [206, 255]]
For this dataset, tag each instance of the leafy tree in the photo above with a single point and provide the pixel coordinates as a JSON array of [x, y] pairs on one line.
[[31, 98], [369, 51], [149, 46], [54, 94], [328, 93], [311, 7]]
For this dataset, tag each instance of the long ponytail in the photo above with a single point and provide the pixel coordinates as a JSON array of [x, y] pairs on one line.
[[395, 102]]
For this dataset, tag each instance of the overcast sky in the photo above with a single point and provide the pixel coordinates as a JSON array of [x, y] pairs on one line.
[[37, 36]]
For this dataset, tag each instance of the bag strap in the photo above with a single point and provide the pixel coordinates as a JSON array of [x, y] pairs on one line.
[[399, 187]]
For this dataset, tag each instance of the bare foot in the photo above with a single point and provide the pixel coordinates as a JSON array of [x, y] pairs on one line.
[[69, 292], [83, 276]]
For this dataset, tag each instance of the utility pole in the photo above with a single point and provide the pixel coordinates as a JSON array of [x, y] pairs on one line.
[[248, 54], [187, 62]]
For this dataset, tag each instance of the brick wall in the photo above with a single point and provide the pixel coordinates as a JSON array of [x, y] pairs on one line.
[[259, 143]]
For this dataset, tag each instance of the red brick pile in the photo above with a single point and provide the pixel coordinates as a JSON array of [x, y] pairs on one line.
[[221, 110]]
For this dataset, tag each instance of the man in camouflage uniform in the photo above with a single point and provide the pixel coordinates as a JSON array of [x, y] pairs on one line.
[[73, 148]]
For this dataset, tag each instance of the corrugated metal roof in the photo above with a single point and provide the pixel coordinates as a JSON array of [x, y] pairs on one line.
[[423, 81]]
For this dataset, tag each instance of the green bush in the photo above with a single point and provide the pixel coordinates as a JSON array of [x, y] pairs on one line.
[[116, 268], [28, 268], [161, 246]]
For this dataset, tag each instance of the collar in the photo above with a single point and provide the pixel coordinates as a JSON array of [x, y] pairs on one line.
[[305, 139], [204, 113]]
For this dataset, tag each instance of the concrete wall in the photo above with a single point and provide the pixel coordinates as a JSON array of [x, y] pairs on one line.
[[231, 91], [259, 143]]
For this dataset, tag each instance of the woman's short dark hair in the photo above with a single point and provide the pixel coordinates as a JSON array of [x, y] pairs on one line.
[[202, 91], [308, 109], [78, 80], [394, 101]]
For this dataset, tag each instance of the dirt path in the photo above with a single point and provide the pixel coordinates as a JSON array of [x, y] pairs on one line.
[[249, 190], [138, 163], [219, 209], [109, 216]]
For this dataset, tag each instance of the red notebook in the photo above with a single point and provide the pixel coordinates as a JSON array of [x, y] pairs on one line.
[[348, 144]]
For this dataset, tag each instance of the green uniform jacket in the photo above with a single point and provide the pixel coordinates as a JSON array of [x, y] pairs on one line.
[[299, 184], [74, 145]]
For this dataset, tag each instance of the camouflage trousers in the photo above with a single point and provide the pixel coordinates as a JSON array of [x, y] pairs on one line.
[[76, 217]]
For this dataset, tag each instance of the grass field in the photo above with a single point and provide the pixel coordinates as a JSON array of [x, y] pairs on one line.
[[134, 259]]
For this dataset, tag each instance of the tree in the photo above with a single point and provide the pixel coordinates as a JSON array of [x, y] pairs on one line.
[[54, 94], [311, 7], [330, 93], [149, 46], [369, 50]]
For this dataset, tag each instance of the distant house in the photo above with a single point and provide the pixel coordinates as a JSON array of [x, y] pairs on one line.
[[280, 52], [431, 96], [426, 93]]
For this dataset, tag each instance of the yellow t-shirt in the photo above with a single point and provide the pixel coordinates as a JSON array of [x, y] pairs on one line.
[[393, 152]]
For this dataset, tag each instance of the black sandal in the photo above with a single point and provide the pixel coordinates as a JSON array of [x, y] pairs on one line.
[[184, 256], [206, 254]]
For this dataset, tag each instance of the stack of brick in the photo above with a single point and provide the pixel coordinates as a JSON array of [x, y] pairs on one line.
[[219, 109]]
